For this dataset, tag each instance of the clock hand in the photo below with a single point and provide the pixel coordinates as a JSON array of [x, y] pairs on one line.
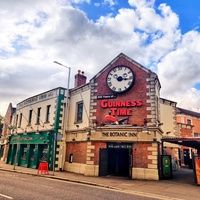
[[126, 79]]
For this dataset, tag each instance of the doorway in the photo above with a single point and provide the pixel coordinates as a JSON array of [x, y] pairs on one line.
[[116, 160]]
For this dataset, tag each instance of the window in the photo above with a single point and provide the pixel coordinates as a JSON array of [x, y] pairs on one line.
[[196, 134], [20, 120], [30, 117], [189, 121], [182, 119], [79, 112], [48, 113], [16, 121], [38, 116]]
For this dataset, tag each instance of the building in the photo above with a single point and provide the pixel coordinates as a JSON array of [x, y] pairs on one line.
[[37, 129], [188, 127], [6, 130], [113, 125]]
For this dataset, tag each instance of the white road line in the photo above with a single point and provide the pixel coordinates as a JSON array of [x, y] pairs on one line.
[[2, 195]]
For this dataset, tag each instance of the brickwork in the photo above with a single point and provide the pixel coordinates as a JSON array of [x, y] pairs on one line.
[[79, 151], [97, 145], [139, 91], [186, 131], [140, 155]]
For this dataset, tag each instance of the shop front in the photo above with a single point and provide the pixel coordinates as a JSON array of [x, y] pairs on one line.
[[30, 149]]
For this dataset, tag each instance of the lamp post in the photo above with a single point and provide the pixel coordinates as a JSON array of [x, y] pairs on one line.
[[65, 113]]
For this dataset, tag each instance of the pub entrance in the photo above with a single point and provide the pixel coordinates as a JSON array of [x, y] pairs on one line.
[[115, 160]]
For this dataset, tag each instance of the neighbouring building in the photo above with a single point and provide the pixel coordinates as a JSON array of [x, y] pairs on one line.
[[188, 127], [37, 130], [6, 131]]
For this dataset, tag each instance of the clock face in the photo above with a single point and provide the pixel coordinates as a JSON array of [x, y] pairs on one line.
[[120, 79]]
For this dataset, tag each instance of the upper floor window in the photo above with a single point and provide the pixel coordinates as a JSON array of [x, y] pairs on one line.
[[79, 112], [189, 121], [38, 116], [48, 113], [182, 119], [20, 120], [30, 117], [16, 121]]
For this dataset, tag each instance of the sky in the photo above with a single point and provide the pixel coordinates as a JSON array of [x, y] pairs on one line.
[[162, 35]]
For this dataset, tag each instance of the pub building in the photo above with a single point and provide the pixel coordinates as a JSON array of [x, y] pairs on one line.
[[108, 126], [36, 130], [113, 124]]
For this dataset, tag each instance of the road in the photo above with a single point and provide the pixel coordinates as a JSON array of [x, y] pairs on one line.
[[22, 187]]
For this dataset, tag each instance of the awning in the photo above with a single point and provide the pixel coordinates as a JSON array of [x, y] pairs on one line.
[[189, 142]]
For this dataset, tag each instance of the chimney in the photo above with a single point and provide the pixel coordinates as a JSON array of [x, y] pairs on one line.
[[80, 79]]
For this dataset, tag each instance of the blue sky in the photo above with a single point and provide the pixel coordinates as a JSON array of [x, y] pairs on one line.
[[162, 35], [187, 10]]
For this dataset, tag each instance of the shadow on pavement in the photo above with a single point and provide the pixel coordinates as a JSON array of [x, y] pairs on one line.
[[183, 176]]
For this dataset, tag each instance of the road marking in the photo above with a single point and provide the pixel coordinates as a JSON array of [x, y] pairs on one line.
[[6, 196]]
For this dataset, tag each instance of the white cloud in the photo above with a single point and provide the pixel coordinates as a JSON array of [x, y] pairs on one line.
[[35, 34], [141, 3], [180, 70]]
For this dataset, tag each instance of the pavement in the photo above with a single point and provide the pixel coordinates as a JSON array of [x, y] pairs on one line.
[[181, 187]]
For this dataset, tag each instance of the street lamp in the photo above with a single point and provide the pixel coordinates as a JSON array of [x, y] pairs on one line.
[[65, 113]]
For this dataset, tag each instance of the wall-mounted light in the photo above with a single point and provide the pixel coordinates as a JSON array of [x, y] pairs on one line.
[[77, 126]]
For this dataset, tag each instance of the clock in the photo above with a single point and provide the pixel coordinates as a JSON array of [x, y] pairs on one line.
[[120, 79]]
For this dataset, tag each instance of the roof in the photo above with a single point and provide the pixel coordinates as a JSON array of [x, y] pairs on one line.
[[193, 142], [187, 112], [170, 101], [130, 60]]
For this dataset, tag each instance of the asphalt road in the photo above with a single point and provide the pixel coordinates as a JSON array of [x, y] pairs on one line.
[[22, 187]]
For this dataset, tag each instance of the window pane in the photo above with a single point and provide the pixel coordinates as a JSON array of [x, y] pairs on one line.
[[48, 113], [79, 112], [30, 117]]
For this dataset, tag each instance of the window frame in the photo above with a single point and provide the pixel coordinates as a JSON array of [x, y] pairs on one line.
[[20, 120], [79, 112], [38, 116], [48, 112], [30, 117], [189, 121]]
